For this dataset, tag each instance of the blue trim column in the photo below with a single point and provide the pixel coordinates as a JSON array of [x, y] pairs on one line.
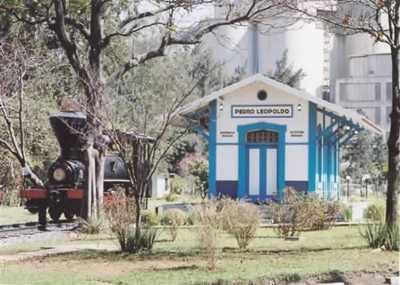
[[281, 162], [312, 146], [324, 158], [212, 150], [242, 165]]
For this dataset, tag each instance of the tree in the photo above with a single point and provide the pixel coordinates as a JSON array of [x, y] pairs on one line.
[[211, 76], [144, 146], [199, 169], [86, 30], [19, 71], [365, 154], [381, 21], [285, 74]]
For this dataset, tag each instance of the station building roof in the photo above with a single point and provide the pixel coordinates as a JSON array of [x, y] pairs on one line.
[[201, 105]]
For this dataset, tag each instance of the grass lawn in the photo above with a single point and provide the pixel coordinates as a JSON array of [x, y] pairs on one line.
[[181, 262], [13, 215]]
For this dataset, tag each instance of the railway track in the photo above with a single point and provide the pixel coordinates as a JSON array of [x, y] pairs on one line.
[[15, 230]]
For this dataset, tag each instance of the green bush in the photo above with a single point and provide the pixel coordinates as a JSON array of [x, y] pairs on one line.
[[127, 239], [242, 221], [91, 226], [191, 219], [374, 234], [199, 169], [149, 218], [379, 234], [347, 213], [171, 197], [209, 233], [148, 236], [376, 212], [292, 213], [178, 184], [323, 213], [298, 212], [173, 218]]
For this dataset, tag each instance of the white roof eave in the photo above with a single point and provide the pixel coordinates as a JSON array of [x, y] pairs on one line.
[[338, 110]]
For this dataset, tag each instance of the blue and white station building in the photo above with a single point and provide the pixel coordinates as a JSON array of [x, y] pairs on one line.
[[264, 136]]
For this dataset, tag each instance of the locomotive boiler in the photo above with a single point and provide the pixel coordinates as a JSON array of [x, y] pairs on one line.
[[64, 190]]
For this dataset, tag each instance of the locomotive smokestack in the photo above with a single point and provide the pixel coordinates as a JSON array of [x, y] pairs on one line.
[[68, 128]]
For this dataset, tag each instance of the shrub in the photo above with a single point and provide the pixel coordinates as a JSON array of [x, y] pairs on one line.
[[121, 219], [374, 234], [347, 213], [148, 237], [292, 213], [393, 237], [150, 218], [379, 234], [91, 226], [173, 218], [323, 213], [376, 212], [191, 218], [242, 221], [298, 212], [127, 239], [178, 184], [171, 197], [199, 169], [209, 232]]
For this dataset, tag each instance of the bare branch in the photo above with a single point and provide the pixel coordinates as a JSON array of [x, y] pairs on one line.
[[70, 48], [79, 26], [140, 16], [137, 61]]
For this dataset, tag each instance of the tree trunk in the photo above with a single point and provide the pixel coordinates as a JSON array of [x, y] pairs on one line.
[[86, 207], [93, 168], [29, 174], [100, 160], [138, 218], [393, 185]]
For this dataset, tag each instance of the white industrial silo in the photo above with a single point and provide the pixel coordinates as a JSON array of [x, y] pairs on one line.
[[234, 45], [305, 45]]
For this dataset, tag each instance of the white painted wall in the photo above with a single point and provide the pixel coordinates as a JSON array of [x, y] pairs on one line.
[[159, 188], [248, 96], [227, 162], [296, 163], [296, 155]]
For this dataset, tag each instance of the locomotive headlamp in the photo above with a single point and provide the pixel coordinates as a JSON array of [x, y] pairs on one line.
[[59, 174]]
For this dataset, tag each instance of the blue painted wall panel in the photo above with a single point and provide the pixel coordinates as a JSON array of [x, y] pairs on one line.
[[228, 188], [300, 186]]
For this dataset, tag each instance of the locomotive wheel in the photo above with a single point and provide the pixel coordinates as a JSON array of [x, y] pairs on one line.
[[55, 214], [33, 210], [69, 217]]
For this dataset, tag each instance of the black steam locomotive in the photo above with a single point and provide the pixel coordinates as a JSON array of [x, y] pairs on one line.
[[64, 190]]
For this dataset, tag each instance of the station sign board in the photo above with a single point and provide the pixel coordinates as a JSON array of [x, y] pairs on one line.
[[262, 111]]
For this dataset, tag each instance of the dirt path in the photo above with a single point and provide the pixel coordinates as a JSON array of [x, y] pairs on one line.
[[54, 250], [341, 279]]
